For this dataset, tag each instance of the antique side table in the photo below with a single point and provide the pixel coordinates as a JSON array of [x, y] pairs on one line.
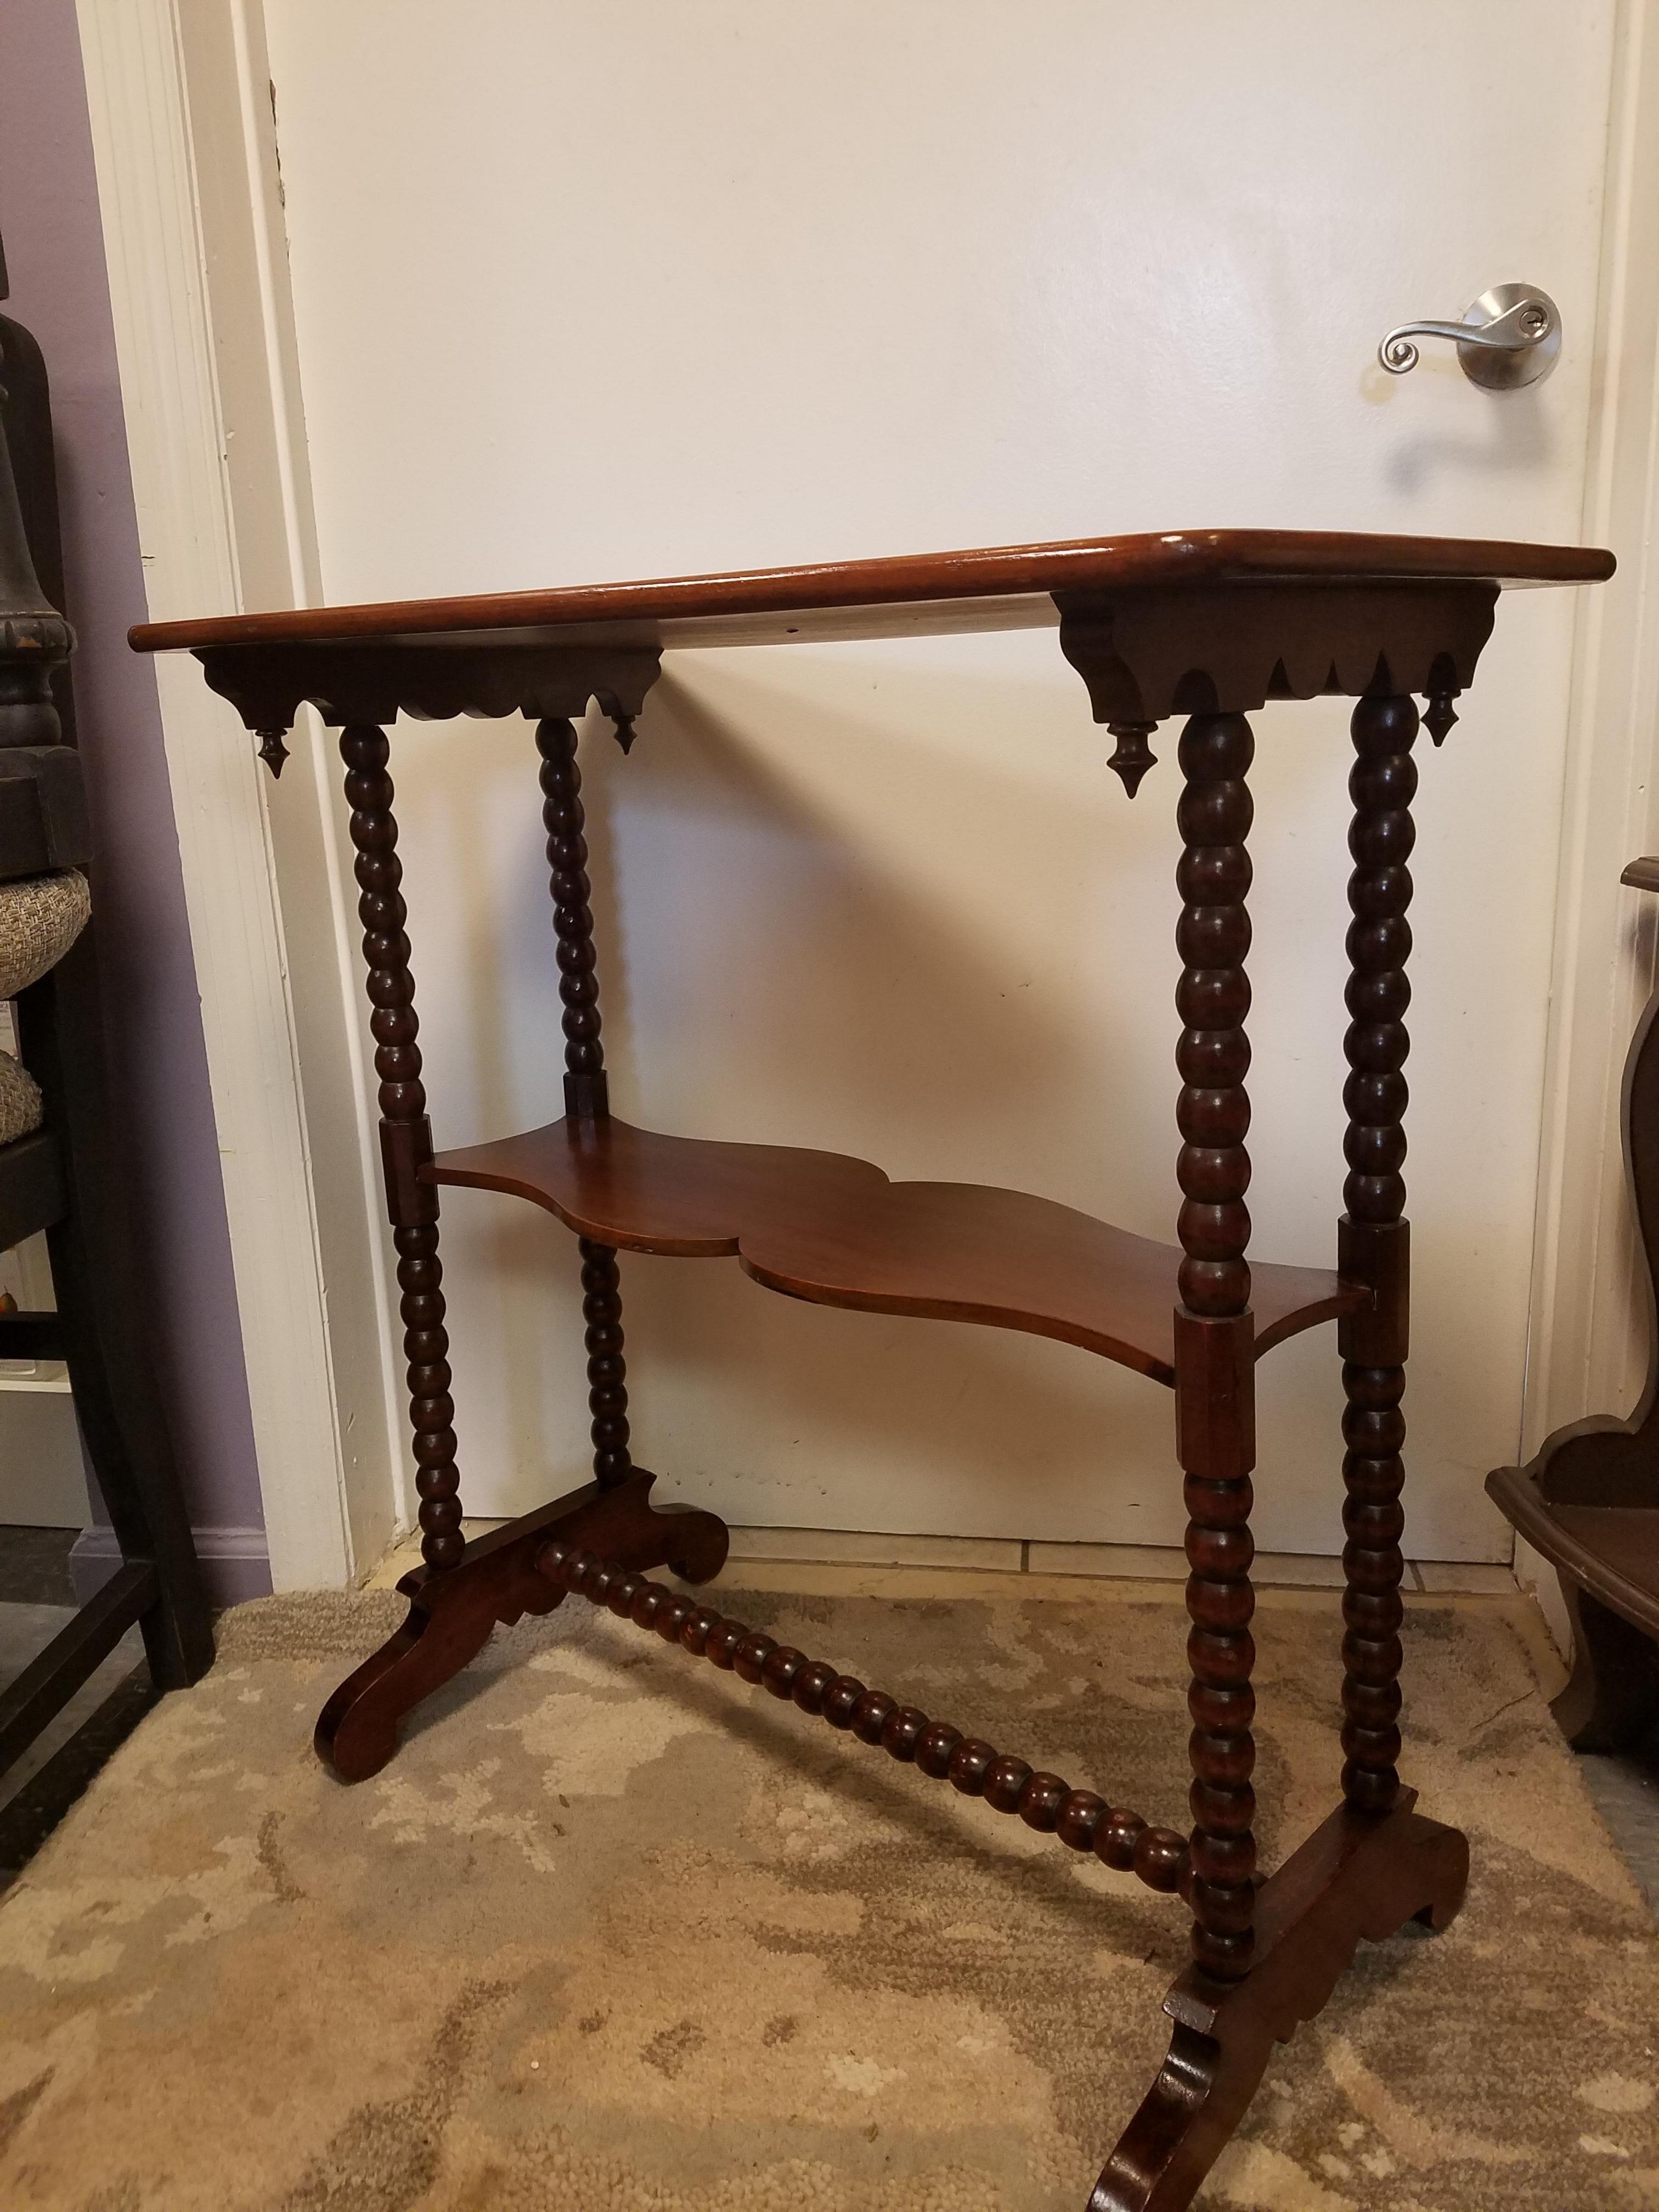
[[1209, 625]]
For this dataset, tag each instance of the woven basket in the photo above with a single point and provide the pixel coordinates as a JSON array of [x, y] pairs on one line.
[[39, 918]]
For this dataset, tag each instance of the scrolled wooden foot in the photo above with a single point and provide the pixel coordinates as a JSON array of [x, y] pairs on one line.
[[452, 1613], [1357, 1875]]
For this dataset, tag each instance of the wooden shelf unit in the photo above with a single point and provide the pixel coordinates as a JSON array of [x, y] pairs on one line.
[[1207, 625]]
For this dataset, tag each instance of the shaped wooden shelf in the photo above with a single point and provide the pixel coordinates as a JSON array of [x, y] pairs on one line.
[[837, 1232]]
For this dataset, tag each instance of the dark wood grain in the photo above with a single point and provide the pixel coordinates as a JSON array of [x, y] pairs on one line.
[[1149, 651], [1358, 1877], [1205, 624], [607, 1370], [586, 1092], [1215, 1352], [835, 1231], [565, 822], [453, 1612], [994, 587], [1375, 1240], [405, 1141]]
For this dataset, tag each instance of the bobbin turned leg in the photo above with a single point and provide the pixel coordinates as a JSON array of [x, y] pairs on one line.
[[1215, 1350], [461, 1590], [607, 1387], [587, 1093], [1374, 1244], [1264, 1959]]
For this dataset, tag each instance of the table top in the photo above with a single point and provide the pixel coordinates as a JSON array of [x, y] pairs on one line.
[[931, 594]]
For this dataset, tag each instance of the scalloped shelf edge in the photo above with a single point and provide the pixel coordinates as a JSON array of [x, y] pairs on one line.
[[835, 1231]]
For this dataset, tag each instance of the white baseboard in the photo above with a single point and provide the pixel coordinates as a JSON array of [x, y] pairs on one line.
[[1011, 1555]]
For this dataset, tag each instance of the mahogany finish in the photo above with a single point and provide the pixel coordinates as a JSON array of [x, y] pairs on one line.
[[565, 822], [452, 1612], [1589, 1500], [1358, 1876], [405, 1142], [835, 1231], [587, 1095], [1148, 651], [607, 1387], [1207, 625], [992, 587], [1215, 1382], [1082, 1820], [1374, 1244]]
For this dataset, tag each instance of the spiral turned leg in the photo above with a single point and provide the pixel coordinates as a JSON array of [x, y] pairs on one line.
[[1374, 1244], [1215, 1359]]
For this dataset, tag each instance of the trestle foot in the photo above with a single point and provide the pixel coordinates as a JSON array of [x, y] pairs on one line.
[[452, 1613], [1358, 1874]]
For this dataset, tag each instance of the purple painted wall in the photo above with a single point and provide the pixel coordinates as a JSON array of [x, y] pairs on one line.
[[59, 289]]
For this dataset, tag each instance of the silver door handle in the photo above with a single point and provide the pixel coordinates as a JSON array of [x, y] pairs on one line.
[[1509, 336]]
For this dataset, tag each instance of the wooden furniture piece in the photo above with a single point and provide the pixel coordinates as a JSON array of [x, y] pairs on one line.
[[1589, 1499], [68, 1178], [1207, 625]]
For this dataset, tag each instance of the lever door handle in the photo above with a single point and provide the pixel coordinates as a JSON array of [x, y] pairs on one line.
[[1509, 336]]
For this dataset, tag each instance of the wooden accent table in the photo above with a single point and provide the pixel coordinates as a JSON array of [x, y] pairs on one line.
[[1208, 625]]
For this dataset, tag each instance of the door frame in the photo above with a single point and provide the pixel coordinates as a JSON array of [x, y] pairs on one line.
[[184, 143], [1588, 1344], [204, 320]]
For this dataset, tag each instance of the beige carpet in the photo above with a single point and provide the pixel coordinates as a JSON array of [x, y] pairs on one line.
[[614, 1932]]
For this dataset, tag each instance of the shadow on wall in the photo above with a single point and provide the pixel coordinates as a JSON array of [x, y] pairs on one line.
[[872, 919]]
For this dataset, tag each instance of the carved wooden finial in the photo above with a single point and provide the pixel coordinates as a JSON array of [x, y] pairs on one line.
[[272, 752], [623, 727], [1133, 755], [1440, 716]]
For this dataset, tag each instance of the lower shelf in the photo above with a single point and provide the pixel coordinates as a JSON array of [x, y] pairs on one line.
[[835, 1231]]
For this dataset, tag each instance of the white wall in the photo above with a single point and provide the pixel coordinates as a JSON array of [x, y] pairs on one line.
[[588, 291]]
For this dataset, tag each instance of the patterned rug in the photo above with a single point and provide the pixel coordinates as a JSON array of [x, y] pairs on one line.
[[616, 1934]]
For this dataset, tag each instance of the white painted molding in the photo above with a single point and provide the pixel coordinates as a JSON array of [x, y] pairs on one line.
[[250, 308], [1589, 1333], [147, 190]]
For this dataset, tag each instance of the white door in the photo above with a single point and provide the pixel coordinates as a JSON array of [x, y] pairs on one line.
[[595, 291]]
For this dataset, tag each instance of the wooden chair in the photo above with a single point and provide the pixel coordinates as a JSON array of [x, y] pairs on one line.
[[67, 1176], [1589, 1501]]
